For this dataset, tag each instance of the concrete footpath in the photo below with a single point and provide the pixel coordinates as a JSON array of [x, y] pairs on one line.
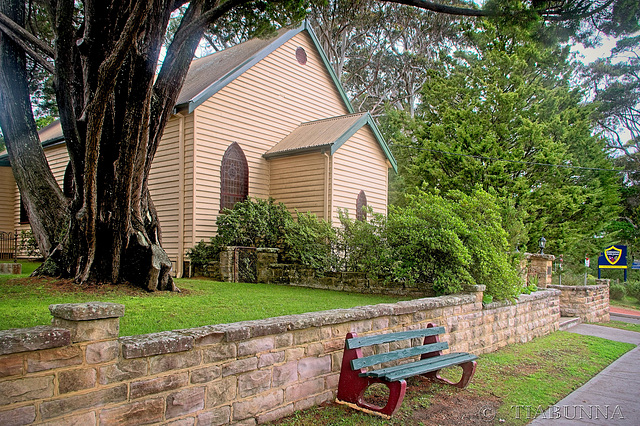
[[610, 398]]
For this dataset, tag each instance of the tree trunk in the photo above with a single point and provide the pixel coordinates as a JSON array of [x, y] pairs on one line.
[[38, 188]]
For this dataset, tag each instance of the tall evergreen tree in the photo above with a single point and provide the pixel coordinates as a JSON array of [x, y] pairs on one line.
[[503, 116]]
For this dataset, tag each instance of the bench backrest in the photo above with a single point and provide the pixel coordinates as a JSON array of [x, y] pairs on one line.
[[360, 342]]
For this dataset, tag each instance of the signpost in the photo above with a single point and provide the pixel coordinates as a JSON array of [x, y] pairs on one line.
[[614, 257]]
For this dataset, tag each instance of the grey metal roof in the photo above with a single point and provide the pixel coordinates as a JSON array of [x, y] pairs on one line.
[[328, 134]]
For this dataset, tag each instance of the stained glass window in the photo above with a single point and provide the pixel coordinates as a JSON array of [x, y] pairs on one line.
[[361, 203], [234, 177]]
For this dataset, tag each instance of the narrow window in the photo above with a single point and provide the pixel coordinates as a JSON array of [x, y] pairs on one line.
[[69, 185], [234, 177], [361, 204]]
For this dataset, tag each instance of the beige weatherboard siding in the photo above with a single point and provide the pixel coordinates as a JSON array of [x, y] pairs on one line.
[[257, 110], [303, 143]]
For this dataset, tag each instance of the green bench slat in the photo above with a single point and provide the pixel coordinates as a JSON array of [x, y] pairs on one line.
[[359, 342], [368, 361], [420, 367]]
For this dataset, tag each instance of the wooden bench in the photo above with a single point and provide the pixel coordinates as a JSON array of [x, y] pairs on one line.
[[356, 377]]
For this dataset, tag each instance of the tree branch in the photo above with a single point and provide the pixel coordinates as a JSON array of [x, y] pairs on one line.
[[28, 50], [14, 30]]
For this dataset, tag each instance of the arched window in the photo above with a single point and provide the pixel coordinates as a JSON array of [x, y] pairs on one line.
[[361, 204], [234, 177], [69, 185]]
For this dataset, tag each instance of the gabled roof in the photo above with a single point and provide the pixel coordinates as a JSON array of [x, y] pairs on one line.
[[209, 74], [328, 134]]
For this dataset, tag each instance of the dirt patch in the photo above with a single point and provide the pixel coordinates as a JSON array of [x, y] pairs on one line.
[[57, 285], [460, 408]]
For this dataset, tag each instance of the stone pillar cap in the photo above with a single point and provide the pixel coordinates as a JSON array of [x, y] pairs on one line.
[[87, 311]]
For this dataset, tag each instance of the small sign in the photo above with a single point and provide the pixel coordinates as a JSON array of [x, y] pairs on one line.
[[586, 262], [635, 264], [614, 257]]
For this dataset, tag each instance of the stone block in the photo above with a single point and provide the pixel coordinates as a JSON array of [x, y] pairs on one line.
[[256, 346], [97, 353], [26, 389], [254, 406], [285, 374], [294, 354], [219, 352], [239, 366], [266, 360], [221, 391], [304, 390], [306, 403], [74, 420], [206, 374], [33, 339], [158, 384], [314, 367], [276, 414], [87, 311], [184, 402], [75, 380], [69, 404], [10, 268], [284, 340], [302, 337], [11, 365], [54, 358], [123, 370], [188, 421], [179, 361], [18, 416], [164, 342], [254, 382], [216, 417], [135, 413], [203, 336], [89, 330]]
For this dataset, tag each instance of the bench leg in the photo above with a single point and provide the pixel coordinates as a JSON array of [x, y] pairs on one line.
[[351, 386], [468, 369]]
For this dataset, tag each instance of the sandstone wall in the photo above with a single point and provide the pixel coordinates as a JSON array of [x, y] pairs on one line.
[[77, 371], [589, 302]]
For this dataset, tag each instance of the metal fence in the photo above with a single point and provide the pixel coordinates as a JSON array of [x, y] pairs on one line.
[[245, 265], [9, 245]]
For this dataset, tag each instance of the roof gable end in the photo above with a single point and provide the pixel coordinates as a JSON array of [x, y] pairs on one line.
[[201, 83], [328, 134]]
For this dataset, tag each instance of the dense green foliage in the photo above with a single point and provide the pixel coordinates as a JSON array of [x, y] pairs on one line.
[[617, 291], [504, 117], [446, 241]]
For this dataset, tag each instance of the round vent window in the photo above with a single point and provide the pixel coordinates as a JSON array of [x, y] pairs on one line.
[[301, 56]]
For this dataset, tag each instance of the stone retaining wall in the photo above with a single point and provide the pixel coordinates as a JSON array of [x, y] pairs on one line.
[[77, 371], [589, 302]]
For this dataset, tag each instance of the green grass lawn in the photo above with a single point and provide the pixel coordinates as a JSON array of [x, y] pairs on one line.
[[25, 303], [510, 386]]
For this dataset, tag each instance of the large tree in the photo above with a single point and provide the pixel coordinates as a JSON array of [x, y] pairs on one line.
[[503, 117], [114, 103]]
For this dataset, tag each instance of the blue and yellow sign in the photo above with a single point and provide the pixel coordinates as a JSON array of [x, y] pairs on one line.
[[614, 257]]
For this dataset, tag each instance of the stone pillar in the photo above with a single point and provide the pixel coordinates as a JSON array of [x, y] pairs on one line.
[[540, 265], [227, 265], [477, 290], [265, 257], [11, 268], [88, 321]]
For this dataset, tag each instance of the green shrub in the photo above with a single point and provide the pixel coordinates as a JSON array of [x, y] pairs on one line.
[[309, 241], [617, 291], [362, 245], [202, 253], [633, 289]]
